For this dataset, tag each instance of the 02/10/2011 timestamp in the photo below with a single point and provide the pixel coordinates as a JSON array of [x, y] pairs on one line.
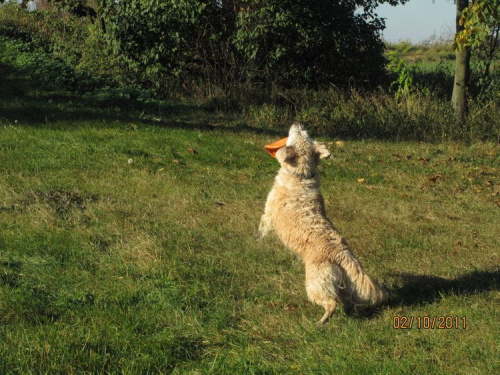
[[429, 322]]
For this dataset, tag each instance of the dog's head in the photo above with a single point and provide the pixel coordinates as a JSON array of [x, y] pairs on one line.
[[301, 154]]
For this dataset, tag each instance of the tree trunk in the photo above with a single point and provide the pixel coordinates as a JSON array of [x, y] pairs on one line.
[[462, 72]]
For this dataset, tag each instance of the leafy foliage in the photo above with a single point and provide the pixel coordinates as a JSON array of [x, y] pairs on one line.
[[154, 36], [216, 44], [404, 83], [481, 31], [479, 21], [310, 42], [43, 69], [288, 43]]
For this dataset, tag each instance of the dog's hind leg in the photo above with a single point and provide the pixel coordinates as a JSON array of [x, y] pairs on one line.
[[321, 287], [345, 294], [329, 307]]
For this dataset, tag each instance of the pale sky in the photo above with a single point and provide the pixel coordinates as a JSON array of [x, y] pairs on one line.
[[419, 20]]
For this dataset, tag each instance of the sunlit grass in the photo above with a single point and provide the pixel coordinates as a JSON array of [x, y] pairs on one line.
[[132, 249]]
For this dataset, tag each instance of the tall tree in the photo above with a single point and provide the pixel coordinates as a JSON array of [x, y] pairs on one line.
[[462, 69]]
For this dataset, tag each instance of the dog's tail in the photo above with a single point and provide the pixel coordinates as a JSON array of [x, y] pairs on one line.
[[365, 290]]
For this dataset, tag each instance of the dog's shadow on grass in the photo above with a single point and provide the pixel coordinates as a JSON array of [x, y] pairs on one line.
[[414, 290], [420, 289]]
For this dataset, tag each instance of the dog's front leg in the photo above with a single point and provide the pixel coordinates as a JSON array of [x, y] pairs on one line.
[[265, 225]]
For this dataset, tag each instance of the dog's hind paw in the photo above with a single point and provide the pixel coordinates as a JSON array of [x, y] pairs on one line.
[[319, 323]]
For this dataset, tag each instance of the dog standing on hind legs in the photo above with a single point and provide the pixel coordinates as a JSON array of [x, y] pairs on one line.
[[295, 211]]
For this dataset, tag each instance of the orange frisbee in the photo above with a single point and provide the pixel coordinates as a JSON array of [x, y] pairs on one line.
[[274, 147]]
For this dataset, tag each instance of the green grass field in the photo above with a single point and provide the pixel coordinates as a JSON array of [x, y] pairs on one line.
[[128, 245]]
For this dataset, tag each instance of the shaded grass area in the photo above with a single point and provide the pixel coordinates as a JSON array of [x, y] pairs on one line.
[[27, 101], [37, 94]]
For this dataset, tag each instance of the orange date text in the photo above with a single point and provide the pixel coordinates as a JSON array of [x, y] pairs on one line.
[[429, 322]]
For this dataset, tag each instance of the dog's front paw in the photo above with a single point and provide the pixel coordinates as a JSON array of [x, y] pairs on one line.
[[257, 236], [264, 227], [261, 233]]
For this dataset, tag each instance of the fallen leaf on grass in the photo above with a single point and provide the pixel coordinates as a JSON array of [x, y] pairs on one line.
[[179, 162], [399, 157], [192, 151], [361, 180], [435, 178]]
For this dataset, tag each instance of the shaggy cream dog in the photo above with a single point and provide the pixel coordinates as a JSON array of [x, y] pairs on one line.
[[295, 210]]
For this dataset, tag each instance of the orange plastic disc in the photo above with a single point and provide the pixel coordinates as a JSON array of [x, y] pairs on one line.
[[274, 147]]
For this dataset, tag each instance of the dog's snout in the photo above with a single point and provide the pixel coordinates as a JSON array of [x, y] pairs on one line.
[[296, 126], [296, 131]]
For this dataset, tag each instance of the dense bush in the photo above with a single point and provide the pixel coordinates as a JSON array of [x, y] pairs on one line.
[[310, 43], [289, 43], [45, 70]]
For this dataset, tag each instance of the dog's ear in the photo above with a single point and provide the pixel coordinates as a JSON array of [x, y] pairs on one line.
[[291, 155], [287, 155], [321, 150]]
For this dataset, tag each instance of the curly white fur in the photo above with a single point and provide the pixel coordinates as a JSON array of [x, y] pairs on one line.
[[295, 210]]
